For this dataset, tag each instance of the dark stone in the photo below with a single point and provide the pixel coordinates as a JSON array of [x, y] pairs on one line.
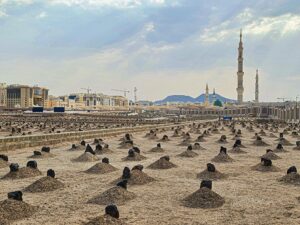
[[51, 173], [165, 137], [127, 136], [166, 158], [131, 153], [292, 169], [158, 145], [238, 142], [14, 167], [89, 149], [190, 148], [45, 149], [113, 211], [281, 135], [279, 146], [197, 144], [206, 184], [105, 160], [37, 153], [16, 195], [136, 149], [32, 164], [223, 138], [211, 167], [129, 142], [298, 143], [4, 157], [106, 146], [138, 167], [82, 143], [122, 184], [98, 147], [96, 141], [266, 162], [223, 150], [74, 146], [258, 138], [126, 173], [269, 150]]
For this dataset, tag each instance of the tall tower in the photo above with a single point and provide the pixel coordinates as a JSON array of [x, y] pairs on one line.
[[214, 96], [256, 88], [240, 73], [207, 95]]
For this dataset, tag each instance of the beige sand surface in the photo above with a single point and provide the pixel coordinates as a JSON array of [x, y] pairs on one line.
[[251, 197]]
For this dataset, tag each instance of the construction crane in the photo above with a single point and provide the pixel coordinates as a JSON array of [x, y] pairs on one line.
[[124, 91], [135, 95], [87, 89]]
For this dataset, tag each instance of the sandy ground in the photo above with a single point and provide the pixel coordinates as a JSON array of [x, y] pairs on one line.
[[251, 197]]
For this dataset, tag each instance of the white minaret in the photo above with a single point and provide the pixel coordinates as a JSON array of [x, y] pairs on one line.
[[256, 88], [214, 96], [240, 73], [207, 95]]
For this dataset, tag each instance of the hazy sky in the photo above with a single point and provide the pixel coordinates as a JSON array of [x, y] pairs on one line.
[[162, 47]]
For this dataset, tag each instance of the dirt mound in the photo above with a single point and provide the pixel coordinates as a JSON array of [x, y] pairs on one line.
[[203, 198], [125, 146], [105, 220], [206, 175], [161, 164], [198, 147], [291, 178], [44, 155], [261, 168], [3, 164], [103, 151], [222, 157], [12, 210], [101, 168], [115, 195], [77, 148], [272, 135], [284, 141], [136, 157], [237, 150], [185, 142], [23, 172], [271, 156], [86, 157], [188, 154], [44, 184], [156, 149], [278, 150], [260, 143], [137, 177]]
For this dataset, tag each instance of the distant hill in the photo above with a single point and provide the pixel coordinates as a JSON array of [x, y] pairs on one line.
[[187, 99]]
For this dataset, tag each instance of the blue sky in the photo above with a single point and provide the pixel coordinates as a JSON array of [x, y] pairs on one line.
[[162, 47]]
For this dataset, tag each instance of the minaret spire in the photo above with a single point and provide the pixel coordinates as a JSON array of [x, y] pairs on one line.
[[240, 73], [256, 88], [207, 95], [214, 96]]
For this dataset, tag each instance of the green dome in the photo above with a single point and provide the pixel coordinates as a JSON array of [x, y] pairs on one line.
[[218, 103]]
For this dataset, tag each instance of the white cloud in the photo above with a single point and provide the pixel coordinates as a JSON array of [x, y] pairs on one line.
[[42, 15], [111, 3], [278, 26], [2, 13], [19, 2]]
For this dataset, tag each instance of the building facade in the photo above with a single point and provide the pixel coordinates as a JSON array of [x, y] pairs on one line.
[[23, 96], [3, 95]]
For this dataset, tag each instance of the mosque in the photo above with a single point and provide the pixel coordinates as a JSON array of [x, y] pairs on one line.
[[240, 81]]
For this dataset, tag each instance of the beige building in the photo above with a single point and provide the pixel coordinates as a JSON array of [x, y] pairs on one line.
[[3, 95], [23, 96]]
